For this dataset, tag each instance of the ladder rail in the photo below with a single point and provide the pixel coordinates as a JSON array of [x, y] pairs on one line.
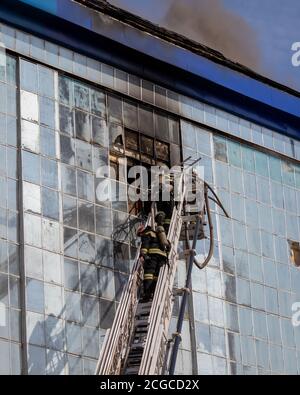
[[110, 359], [103, 347], [162, 303], [116, 338], [161, 311]]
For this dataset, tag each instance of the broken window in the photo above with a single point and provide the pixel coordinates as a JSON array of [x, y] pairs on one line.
[[162, 151], [147, 146], [162, 126], [116, 139], [132, 144], [295, 252], [132, 140]]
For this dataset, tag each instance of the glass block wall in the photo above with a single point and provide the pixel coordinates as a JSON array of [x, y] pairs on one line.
[[10, 335], [74, 272], [243, 300]]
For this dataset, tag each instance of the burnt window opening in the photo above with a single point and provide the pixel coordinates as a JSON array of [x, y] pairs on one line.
[[116, 138], [295, 252], [145, 151]]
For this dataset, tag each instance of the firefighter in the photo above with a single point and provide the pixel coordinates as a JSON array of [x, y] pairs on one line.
[[166, 190], [153, 257], [161, 231]]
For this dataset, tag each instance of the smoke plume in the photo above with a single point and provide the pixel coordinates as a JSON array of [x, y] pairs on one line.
[[209, 23]]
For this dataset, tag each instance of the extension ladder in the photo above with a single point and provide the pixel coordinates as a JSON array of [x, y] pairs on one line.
[[138, 339]]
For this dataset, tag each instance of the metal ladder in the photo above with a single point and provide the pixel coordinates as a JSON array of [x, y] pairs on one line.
[[138, 340]]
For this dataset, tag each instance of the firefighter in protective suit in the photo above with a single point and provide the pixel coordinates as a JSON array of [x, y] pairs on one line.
[[165, 203], [154, 256]]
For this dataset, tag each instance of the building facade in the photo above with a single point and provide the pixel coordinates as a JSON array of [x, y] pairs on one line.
[[64, 114]]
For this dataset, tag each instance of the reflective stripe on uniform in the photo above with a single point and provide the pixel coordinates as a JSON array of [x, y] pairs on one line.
[[167, 221], [157, 251], [144, 250], [148, 277], [150, 233]]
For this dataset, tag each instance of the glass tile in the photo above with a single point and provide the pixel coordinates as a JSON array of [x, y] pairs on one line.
[[55, 335], [47, 112], [84, 155], [71, 273], [98, 103], [65, 87], [146, 121], [130, 115], [104, 252], [114, 109], [90, 310], [70, 242], [234, 153], [103, 221], [82, 125], [220, 148], [67, 150], [29, 76], [66, 120], [81, 96], [73, 310], [36, 360], [50, 204], [86, 247], [53, 300], [47, 142], [107, 313], [46, 81], [100, 131], [85, 184], [35, 295], [73, 337], [86, 217], [69, 180], [70, 211], [49, 173]]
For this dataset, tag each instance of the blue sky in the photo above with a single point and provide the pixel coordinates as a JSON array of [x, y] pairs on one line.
[[276, 23]]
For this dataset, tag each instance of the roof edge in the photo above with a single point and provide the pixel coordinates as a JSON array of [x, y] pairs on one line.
[[179, 40]]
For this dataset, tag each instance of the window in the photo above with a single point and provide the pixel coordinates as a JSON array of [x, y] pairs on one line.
[[131, 140], [295, 252], [162, 151], [147, 146]]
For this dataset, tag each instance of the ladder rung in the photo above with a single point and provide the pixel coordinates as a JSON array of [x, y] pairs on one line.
[[190, 218], [131, 371], [138, 346], [144, 307], [141, 322]]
